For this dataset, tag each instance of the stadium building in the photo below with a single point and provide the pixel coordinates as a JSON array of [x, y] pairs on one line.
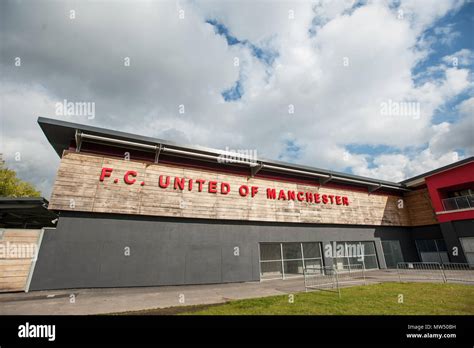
[[139, 211]]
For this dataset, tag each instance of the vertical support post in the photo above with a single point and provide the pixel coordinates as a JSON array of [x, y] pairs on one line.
[[302, 257], [327, 259], [443, 275], [78, 138], [259, 263], [337, 284], [33, 261], [157, 153], [282, 262], [363, 273]]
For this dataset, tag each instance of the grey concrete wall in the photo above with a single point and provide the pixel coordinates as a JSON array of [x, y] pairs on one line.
[[423, 232], [451, 232], [404, 236], [426, 232], [89, 250]]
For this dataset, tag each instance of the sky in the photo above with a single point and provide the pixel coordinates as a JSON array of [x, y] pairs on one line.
[[382, 89]]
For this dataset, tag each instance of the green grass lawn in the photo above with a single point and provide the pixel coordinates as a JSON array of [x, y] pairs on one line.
[[418, 299]]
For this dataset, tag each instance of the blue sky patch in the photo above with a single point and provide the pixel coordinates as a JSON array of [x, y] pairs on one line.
[[460, 22], [233, 93], [222, 30], [265, 55], [449, 111], [292, 150]]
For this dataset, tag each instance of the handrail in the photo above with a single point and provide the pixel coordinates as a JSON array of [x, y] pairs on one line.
[[468, 200]]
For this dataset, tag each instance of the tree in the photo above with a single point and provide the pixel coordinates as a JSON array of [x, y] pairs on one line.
[[11, 186]]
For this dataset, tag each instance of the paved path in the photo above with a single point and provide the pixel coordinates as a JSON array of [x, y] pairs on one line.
[[98, 301]]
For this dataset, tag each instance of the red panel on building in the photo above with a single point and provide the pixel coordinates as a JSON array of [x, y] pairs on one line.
[[447, 184]]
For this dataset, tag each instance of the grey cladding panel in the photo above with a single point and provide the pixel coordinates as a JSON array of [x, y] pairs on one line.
[[203, 265], [88, 250]]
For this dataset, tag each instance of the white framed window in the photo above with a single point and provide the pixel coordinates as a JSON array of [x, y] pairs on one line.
[[288, 259], [467, 244], [357, 254]]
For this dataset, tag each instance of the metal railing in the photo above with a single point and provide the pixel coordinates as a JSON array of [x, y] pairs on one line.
[[323, 277], [351, 273], [458, 272], [456, 203], [434, 271], [419, 271], [330, 278]]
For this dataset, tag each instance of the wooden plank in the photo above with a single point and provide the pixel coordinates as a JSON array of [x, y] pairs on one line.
[[14, 271], [92, 195], [21, 233]]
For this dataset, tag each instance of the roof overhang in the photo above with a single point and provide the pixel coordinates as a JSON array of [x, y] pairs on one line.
[[61, 134], [420, 179], [29, 212]]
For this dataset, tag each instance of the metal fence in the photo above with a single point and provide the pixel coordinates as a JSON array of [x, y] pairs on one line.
[[434, 271], [320, 278], [420, 271], [458, 272], [351, 273], [330, 278]]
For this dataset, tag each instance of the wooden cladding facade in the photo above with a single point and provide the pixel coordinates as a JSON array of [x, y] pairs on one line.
[[19, 246], [419, 206], [78, 188]]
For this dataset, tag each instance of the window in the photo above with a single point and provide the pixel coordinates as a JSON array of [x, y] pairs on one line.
[[271, 270], [460, 199], [392, 252], [312, 250], [432, 250], [270, 261], [291, 251], [293, 268], [269, 252], [286, 260], [356, 254], [468, 248]]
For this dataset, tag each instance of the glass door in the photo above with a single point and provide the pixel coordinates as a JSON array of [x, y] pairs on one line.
[[392, 252]]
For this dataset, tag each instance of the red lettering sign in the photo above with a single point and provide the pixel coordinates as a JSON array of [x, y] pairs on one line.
[[254, 190], [200, 183], [164, 184], [212, 186], [271, 193], [127, 175], [282, 195], [225, 188], [244, 190], [105, 173], [179, 183]]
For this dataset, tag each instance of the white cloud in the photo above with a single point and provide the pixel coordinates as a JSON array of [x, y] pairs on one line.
[[456, 136], [445, 141], [398, 167], [183, 61], [423, 13], [463, 57], [24, 147], [446, 34]]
